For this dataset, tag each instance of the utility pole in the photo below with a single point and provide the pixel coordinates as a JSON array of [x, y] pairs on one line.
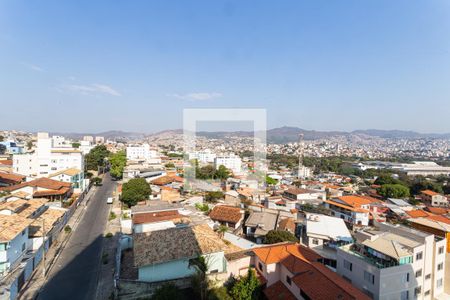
[[300, 157], [43, 249]]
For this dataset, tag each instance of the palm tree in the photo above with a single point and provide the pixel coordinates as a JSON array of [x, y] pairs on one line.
[[199, 279], [221, 230]]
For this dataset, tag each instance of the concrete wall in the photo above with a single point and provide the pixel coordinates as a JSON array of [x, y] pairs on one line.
[[179, 268]]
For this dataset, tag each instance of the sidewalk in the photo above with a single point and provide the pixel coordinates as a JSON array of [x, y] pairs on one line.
[[32, 287], [105, 287]]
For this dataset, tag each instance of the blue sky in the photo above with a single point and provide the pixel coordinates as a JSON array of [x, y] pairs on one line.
[[90, 66]]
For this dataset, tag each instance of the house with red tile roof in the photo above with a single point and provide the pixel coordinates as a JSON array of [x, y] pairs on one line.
[[352, 209], [296, 272], [434, 199], [43, 188], [8, 179], [227, 215]]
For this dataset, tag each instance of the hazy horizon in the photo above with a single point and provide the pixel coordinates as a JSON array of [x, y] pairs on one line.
[[328, 66]]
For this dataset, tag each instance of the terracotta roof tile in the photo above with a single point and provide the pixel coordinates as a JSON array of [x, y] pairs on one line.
[[278, 291], [418, 213], [159, 216], [224, 213]]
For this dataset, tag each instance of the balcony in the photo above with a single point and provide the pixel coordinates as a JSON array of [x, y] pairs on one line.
[[367, 257]]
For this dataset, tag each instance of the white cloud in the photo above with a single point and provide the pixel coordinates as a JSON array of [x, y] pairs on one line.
[[33, 67], [201, 96], [92, 89]]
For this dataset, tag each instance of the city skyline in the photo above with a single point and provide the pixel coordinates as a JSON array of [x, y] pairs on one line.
[[318, 66]]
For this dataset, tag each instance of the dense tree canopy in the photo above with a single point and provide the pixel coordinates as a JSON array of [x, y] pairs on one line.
[[209, 172], [278, 236], [118, 162], [96, 157], [213, 196], [394, 191], [135, 190], [246, 287]]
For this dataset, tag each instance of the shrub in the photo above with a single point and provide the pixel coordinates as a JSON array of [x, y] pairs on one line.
[[67, 229]]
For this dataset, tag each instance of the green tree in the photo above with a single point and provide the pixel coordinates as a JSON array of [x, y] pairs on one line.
[[167, 291], [221, 230], [278, 236], [135, 190], [271, 181], [76, 145], [199, 279], [97, 181], [2, 138], [213, 196], [29, 145], [386, 179], [394, 191], [170, 165], [118, 162], [222, 172], [246, 287], [96, 157]]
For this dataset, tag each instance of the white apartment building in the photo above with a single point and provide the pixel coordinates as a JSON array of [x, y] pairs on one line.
[[47, 159], [143, 153], [304, 172], [204, 156], [230, 161], [85, 147], [394, 262]]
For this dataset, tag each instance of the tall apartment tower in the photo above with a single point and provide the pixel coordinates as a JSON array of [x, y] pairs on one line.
[[303, 172]]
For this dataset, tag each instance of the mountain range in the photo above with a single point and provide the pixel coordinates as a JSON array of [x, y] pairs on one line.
[[285, 134]]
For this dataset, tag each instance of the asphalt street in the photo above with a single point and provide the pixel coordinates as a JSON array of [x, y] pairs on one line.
[[75, 273]]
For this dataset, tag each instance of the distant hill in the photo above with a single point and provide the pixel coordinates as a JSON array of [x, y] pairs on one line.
[[281, 135]]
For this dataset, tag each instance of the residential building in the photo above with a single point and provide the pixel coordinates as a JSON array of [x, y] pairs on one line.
[[8, 179], [143, 153], [157, 215], [227, 215], [433, 224], [204, 156], [74, 176], [259, 224], [303, 196], [229, 161], [352, 209], [321, 231], [434, 199], [42, 187], [165, 254], [291, 271], [13, 241], [47, 159], [394, 262], [12, 147]]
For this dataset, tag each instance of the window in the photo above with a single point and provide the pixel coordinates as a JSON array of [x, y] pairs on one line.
[[427, 293], [440, 266], [404, 295], [406, 278], [23, 232], [428, 276], [369, 277], [315, 242], [260, 267], [441, 250], [417, 291], [348, 265], [419, 255], [439, 283], [288, 280], [419, 273], [23, 247]]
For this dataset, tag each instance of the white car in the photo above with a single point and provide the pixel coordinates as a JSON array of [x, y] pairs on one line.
[[109, 200]]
